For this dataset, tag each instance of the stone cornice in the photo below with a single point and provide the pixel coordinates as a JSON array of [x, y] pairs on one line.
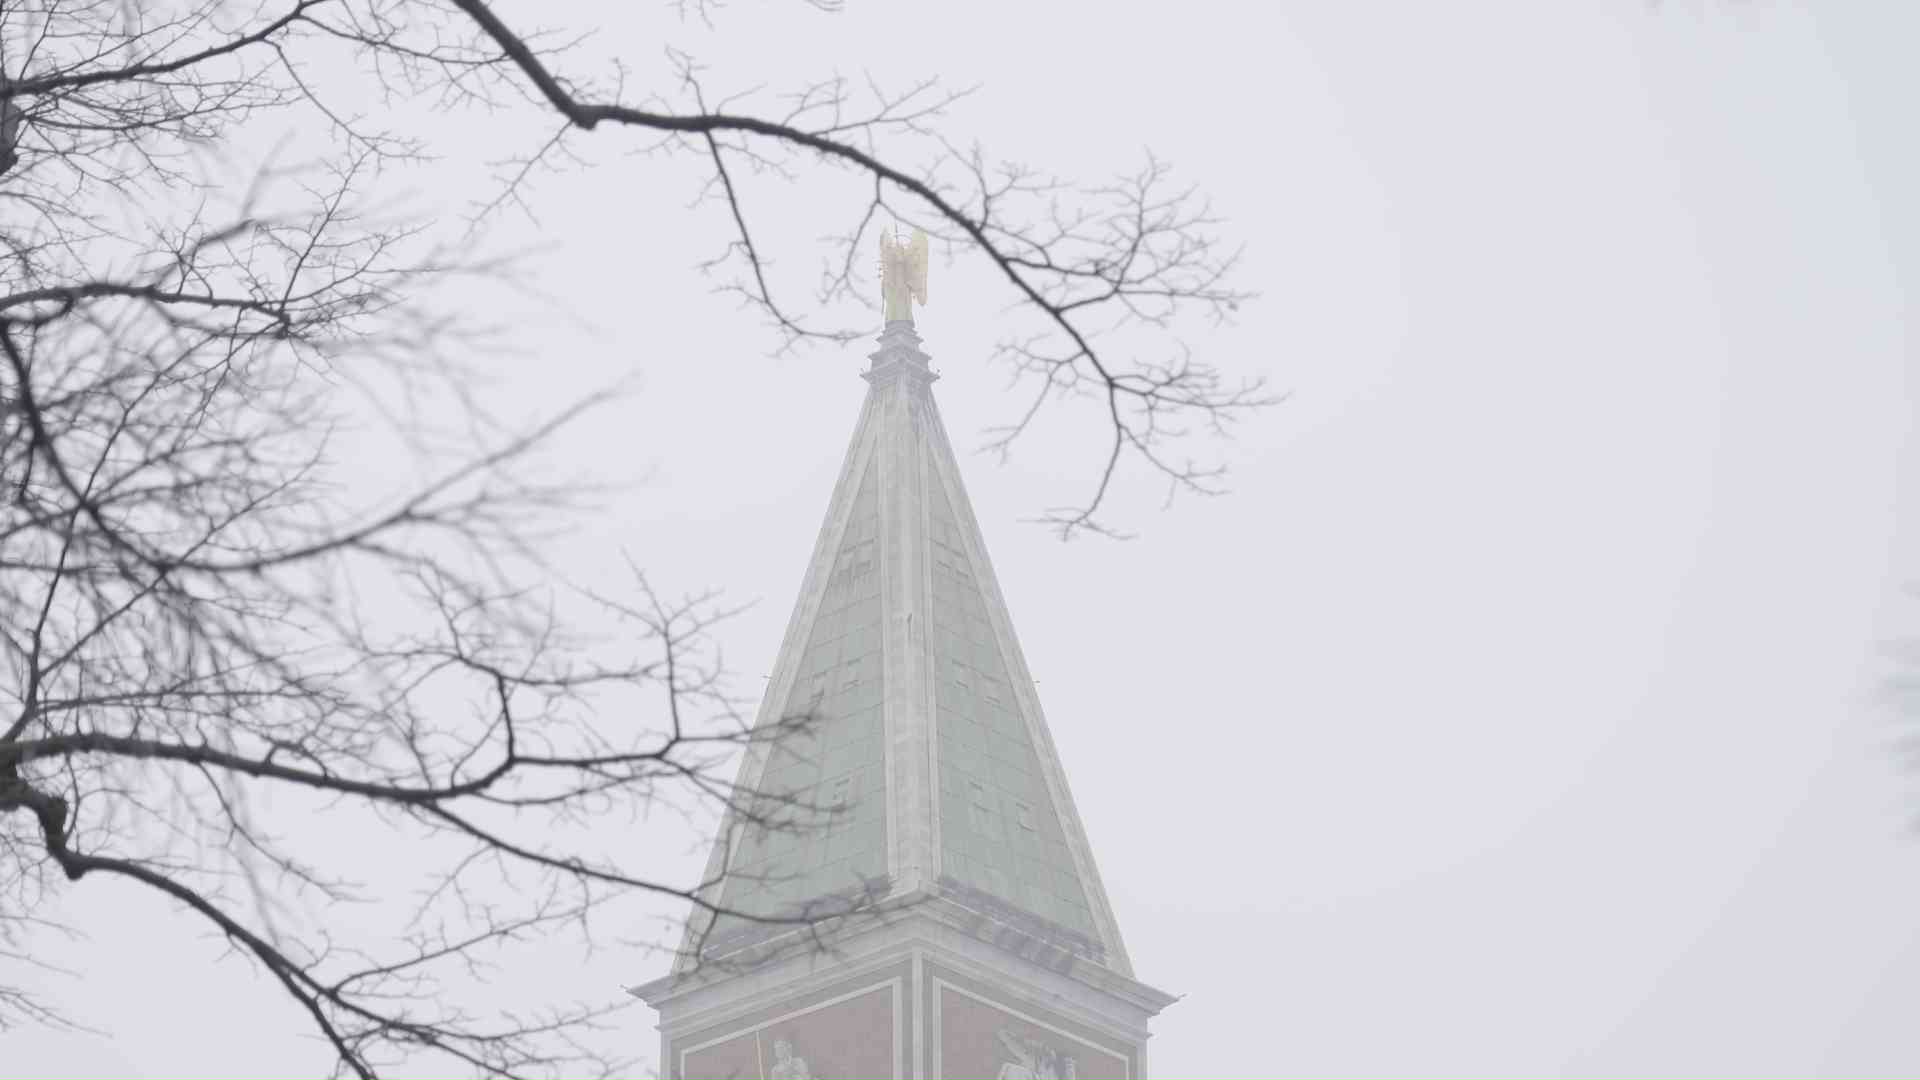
[[1022, 939]]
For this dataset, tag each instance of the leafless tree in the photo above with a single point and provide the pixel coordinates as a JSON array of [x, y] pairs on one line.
[[183, 575]]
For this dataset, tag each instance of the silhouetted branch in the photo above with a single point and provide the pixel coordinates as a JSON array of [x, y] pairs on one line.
[[183, 570], [1147, 257]]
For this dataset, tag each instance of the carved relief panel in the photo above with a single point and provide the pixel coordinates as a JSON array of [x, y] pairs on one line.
[[851, 1034], [977, 1036]]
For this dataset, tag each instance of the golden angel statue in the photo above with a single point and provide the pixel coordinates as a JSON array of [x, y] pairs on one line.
[[903, 274]]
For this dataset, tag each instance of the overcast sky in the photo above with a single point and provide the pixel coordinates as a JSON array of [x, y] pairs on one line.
[[1516, 712]]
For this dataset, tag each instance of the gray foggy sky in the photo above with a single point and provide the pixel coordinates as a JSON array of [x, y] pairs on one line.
[[1515, 713]]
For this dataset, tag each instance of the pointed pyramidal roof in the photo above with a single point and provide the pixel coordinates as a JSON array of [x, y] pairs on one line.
[[925, 731]]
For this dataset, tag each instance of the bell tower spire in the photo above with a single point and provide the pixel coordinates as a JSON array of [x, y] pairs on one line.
[[923, 785]]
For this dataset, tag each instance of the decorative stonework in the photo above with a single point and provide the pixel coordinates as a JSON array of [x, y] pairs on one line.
[[854, 1033], [785, 1065], [1032, 1059], [979, 1035]]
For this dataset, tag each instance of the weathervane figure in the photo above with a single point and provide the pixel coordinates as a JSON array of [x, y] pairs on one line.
[[903, 274]]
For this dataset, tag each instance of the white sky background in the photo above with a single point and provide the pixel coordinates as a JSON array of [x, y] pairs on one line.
[[1515, 714]]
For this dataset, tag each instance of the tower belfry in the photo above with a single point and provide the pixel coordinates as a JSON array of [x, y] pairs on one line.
[[919, 787]]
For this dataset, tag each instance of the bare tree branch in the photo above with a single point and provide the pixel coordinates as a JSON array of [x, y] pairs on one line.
[[1147, 259], [183, 570]]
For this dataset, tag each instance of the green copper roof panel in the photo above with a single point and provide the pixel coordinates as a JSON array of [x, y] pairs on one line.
[[825, 786], [998, 829]]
